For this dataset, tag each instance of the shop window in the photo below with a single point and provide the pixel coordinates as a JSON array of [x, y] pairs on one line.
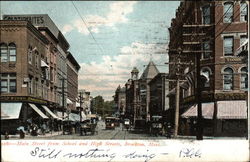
[[243, 78], [228, 12], [206, 14], [8, 83], [243, 11], [228, 79], [228, 46]]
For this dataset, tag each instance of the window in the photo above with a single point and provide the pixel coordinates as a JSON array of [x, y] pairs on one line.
[[228, 79], [31, 85], [12, 52], [206, 14], [243, 11], [8, 53], [4, 53], [243, 38], [30, 55], [8, 83], [206, 49], [243, 79], [206, 73], [228, 12], [36, 59], [228, 46]]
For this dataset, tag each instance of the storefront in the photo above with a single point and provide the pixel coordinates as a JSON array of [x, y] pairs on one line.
[[221, 118]]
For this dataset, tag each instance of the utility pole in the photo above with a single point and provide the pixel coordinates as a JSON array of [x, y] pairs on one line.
[[177, 96]]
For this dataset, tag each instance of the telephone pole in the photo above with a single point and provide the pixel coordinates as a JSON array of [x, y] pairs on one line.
[[177, 94]]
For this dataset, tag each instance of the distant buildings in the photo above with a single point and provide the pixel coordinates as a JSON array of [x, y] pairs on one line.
[[120, 100], [38, 74], [146, 96]]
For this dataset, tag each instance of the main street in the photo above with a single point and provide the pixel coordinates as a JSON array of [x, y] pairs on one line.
[[101, 134]]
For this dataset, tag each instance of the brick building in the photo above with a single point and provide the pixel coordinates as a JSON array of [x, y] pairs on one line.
[[132, 96], [159, 102], [208, 33], [31, 70], [72, 81], [148, 74]]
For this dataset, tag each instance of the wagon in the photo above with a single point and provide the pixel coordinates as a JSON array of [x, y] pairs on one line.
[[87, 126]]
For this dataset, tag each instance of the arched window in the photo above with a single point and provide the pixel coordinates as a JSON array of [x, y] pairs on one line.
[[206, 72], [243, 79], [228, 12], [12, 52], [4, 52], [228, 79]]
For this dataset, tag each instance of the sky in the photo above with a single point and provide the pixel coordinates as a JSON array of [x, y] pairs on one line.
[[107, 38]]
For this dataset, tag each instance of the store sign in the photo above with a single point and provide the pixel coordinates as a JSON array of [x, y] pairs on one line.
[[22, 99], [233, 59], [36, 20]]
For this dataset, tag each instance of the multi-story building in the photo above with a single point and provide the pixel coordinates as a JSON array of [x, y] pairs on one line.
[[132, 96], [23, 84], [207, 33], [148, 74], [159, 102], [72, 81], [33, 63]]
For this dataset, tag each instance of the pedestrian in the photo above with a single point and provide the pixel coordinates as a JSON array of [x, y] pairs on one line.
[[44, 127], [6, 136]]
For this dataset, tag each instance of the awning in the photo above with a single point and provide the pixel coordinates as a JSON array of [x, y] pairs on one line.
[[59, 114], [207, 111], [232, 110], [50, 112], [91, 116], [38, 111], [74, 117], [10, 110], [84, 117], [43, 64], [69, 101]]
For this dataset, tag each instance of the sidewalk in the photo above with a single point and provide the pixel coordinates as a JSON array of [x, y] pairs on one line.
[[51, 134]]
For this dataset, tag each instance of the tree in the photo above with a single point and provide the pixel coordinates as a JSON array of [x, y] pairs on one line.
[[98, 103]]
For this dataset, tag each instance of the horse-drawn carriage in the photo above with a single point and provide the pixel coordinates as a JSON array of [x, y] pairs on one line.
[[89, 125]]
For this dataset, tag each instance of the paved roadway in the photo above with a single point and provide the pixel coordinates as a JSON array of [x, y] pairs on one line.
[[102, 134]]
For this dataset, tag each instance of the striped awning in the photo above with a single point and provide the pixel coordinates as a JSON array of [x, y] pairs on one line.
[[232, 110], [36, 109], [207, 111]]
